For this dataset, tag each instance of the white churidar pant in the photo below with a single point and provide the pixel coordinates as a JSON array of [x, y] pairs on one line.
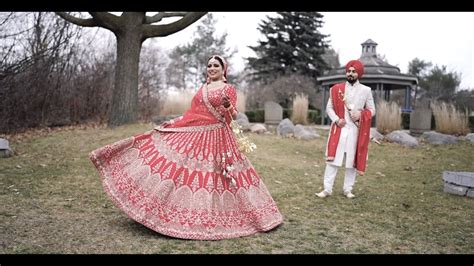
[[330, 176]]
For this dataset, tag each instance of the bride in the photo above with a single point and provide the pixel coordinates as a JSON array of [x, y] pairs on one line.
[[186, 178]]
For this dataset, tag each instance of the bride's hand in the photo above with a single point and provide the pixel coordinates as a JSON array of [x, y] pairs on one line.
[[225, 101], [165, 124]]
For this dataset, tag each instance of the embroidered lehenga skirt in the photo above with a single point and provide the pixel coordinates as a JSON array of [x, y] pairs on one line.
[[172, 182]]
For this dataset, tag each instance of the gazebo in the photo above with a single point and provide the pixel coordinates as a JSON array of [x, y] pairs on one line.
[[380, 76]]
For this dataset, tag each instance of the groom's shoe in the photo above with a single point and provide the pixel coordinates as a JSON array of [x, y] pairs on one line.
[[349, 194], [323, 194]]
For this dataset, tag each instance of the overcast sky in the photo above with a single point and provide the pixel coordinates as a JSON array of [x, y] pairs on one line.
[[443, 38]]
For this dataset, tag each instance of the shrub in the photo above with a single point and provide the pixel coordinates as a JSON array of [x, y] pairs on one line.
[[314, 116], [287, 113], [405, 120], [388, 116], [256, 116], [300, 109], [448, 120], [471, 123]]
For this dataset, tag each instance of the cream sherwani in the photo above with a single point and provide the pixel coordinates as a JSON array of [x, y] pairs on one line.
[[358, 97]]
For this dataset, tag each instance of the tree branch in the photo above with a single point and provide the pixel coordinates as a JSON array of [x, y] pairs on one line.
[[106, 20], [167, 29], [89, 22], [158, 17]]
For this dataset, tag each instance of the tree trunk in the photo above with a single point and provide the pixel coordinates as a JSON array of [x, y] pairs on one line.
[[125, 97]]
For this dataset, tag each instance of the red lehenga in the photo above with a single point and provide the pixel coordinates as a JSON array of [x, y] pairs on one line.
[[171, 180]]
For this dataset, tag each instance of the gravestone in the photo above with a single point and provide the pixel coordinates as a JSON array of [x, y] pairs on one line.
[[273, 113], [420, 118], [459, 183], [5, 150]]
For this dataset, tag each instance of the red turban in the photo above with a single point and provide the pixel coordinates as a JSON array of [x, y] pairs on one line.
[[359, 67]]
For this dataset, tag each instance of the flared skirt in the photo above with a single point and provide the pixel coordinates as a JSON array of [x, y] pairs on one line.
[[173, 183]]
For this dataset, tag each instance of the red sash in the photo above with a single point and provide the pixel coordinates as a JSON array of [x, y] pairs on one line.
[[363, 140], [335, 130]]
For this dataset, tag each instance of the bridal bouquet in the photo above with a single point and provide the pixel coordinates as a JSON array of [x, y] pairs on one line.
[[243, 142]]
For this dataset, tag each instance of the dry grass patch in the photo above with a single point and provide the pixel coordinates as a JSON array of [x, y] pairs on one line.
[[388, 117], [449, 120], [300, 109]]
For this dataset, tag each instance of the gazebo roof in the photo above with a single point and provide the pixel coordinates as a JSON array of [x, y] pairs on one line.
[[375, 70]]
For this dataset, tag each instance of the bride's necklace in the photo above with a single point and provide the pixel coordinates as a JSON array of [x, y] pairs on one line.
[[214, 85]]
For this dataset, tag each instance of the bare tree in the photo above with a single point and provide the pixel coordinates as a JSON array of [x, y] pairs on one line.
[[131, 29], [35, 51], [152, 68], [177, 69]]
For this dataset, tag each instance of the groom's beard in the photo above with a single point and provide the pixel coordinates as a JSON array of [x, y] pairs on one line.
[[351, 79]]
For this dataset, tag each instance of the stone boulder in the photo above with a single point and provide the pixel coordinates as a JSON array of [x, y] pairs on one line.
[[304, 133], [286, 128], [438, 138], [258, 128], [470, 137], [401, 137]]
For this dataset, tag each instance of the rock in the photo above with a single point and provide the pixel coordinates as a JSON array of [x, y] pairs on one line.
[[438, 138], [403, 138], [285, 128], [258, 128]]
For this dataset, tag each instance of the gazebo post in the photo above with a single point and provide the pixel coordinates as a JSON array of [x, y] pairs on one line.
[[387, 94], [383, 93], [377, 90], [408, 98], [374, 121]]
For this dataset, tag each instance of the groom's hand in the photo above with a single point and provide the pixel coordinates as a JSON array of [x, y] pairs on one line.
[[355, 115], [341, 122]]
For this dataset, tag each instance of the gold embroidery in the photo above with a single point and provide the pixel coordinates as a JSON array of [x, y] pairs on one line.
[[167, 201], [191, 162], [209, 106], [190, 129]]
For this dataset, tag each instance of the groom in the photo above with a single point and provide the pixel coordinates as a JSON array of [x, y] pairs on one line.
[[350, 108]]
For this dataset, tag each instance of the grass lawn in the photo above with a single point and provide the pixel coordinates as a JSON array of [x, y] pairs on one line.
[[52, 200]]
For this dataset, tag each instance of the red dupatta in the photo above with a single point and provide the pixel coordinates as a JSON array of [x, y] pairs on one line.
[[202, 114], [198, 114], [363, 138], [335, 130]]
